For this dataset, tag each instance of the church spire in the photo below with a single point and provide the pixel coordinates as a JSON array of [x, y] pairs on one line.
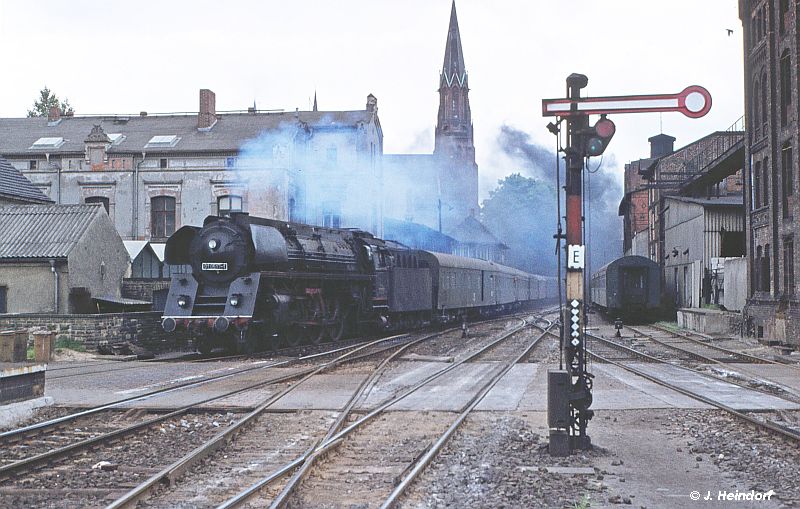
[[315, 101], [453, 70]]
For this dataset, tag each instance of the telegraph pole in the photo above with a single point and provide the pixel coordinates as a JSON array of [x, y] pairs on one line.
[[569, 390]]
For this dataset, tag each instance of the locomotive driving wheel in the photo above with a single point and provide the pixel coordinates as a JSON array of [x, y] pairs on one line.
[[335, 320], [314, 326]]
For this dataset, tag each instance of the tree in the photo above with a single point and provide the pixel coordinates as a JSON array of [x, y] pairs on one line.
[[521, 212], [47, 100]]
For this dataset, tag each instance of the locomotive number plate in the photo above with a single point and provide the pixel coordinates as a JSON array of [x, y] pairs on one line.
[[214, 266]]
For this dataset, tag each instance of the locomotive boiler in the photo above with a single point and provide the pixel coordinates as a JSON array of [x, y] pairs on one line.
[[256, 283]]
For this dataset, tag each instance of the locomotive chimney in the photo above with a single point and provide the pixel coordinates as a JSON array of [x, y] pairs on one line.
[[207, 116]]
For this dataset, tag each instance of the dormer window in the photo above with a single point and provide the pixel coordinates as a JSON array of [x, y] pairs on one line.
[[48, 143], [116, 138], [163, 141]]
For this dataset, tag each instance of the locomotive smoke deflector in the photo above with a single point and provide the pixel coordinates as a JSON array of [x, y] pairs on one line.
[[269, 245], [176, 252]]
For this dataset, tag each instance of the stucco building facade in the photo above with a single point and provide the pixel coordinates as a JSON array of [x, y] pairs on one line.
[[155, 173]]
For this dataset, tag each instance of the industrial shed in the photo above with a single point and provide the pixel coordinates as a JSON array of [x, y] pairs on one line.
[[56, 258], [697, 230]]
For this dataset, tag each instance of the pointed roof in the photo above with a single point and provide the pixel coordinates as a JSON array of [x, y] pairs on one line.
[[45, 231], [16, 187], [453, 70], [315, 101], [472, 231]]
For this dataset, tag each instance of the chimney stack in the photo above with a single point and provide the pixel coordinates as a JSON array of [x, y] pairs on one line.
[[372, 103], [661, 145], [54, 114], [208, 109]]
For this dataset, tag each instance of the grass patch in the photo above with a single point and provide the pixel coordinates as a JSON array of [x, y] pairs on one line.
[[67, 343], [583, 503], [673, 326]]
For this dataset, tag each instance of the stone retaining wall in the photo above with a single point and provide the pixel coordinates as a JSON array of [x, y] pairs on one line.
[[141, 328]]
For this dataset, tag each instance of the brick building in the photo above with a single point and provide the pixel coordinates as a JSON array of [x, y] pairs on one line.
[[771, 39], [634, 204], [155, 173]]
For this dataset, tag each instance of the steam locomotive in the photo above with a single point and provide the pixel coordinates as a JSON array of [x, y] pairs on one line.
[[257, 283]]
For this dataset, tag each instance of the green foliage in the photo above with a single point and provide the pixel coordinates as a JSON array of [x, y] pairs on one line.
[[521, 212], [46, 100], [67, 343]]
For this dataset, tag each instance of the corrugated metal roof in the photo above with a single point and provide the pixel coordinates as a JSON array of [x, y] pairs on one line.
[[17, 135], [43, 231], [14, 185]]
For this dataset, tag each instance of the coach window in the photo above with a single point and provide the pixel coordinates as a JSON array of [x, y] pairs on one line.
[[98, 199], [162, 216], [229, 203]]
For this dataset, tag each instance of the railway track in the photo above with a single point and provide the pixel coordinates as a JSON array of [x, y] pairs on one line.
[[346, 429], [623, 360], [25, 449], [44, 447], [719, 362]]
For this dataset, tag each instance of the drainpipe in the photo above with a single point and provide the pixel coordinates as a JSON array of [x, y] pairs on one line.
[[135, 211], [55, 285]]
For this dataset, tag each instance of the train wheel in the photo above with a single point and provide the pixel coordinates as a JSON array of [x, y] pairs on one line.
[[335, 320], [314, 326], [204, 346]]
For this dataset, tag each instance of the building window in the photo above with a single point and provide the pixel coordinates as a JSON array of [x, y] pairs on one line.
[[756, 110], [757, 269], [788, 266], [784, 16], [163, 163], [787, 175], [757, 186], [229, 203], [765, 270], [331, 215], [332, 155], [786, 86], [764, 92], [98, 199], [765, 182], [162, 216], [3, 299], [292, 210]]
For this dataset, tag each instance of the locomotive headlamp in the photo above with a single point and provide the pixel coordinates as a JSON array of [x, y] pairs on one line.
[[213, 244], [235, 300], [183, 301]]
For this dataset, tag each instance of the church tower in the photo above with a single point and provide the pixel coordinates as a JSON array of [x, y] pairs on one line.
[[454, 150]]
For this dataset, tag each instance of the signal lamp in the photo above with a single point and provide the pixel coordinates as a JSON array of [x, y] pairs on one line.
[[599, 136]]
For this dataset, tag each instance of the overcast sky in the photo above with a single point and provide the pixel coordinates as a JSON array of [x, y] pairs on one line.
[[124, 57]]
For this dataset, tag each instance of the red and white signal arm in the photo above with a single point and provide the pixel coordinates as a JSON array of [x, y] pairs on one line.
[[693, 101]]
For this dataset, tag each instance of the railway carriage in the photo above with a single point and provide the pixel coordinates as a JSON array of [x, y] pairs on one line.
[[628, 287]]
